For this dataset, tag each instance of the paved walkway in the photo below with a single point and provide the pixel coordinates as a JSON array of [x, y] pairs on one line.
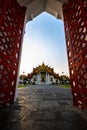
[[43, 107]]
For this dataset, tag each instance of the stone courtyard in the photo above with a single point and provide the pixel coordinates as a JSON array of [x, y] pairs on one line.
[[43, 107]]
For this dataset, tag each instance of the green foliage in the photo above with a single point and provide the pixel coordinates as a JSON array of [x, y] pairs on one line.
[[22, 85], [65, 85]]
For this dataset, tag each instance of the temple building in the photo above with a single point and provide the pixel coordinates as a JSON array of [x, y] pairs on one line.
[[43, 75]]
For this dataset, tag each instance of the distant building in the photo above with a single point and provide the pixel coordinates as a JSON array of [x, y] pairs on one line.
[[43, 75]]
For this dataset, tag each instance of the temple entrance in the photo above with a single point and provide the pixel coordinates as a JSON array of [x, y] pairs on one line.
[[43, 77], [12, 17]]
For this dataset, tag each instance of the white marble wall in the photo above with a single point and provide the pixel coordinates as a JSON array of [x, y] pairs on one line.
[[48, 77]]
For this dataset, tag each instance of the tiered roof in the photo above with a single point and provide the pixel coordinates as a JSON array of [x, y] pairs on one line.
[[43, 68]]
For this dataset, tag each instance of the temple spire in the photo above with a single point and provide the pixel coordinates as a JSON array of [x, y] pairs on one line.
[[43, 63]]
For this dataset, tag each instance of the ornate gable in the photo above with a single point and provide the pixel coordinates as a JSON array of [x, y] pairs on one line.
[[43, 68]]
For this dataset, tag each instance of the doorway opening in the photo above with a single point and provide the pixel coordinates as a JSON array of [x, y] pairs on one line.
[[44, 42]]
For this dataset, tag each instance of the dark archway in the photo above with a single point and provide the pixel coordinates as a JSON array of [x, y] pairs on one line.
[[11, 32]]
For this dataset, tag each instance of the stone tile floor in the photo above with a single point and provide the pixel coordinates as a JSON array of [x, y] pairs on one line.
[[43, 107]]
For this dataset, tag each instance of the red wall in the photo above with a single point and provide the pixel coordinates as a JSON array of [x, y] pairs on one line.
[[11, 28], [75, 20]]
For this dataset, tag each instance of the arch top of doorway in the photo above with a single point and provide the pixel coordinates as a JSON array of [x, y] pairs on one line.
[[35, 7]]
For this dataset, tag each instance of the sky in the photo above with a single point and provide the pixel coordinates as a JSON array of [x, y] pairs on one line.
[[44, 41]]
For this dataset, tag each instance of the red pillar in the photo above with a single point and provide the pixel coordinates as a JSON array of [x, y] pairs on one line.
[[11, 30], [75, 20]]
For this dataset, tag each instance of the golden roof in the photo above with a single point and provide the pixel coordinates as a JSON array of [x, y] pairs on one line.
[[43, 68]]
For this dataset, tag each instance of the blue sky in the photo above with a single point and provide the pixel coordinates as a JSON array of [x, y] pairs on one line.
[[44, 41]]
